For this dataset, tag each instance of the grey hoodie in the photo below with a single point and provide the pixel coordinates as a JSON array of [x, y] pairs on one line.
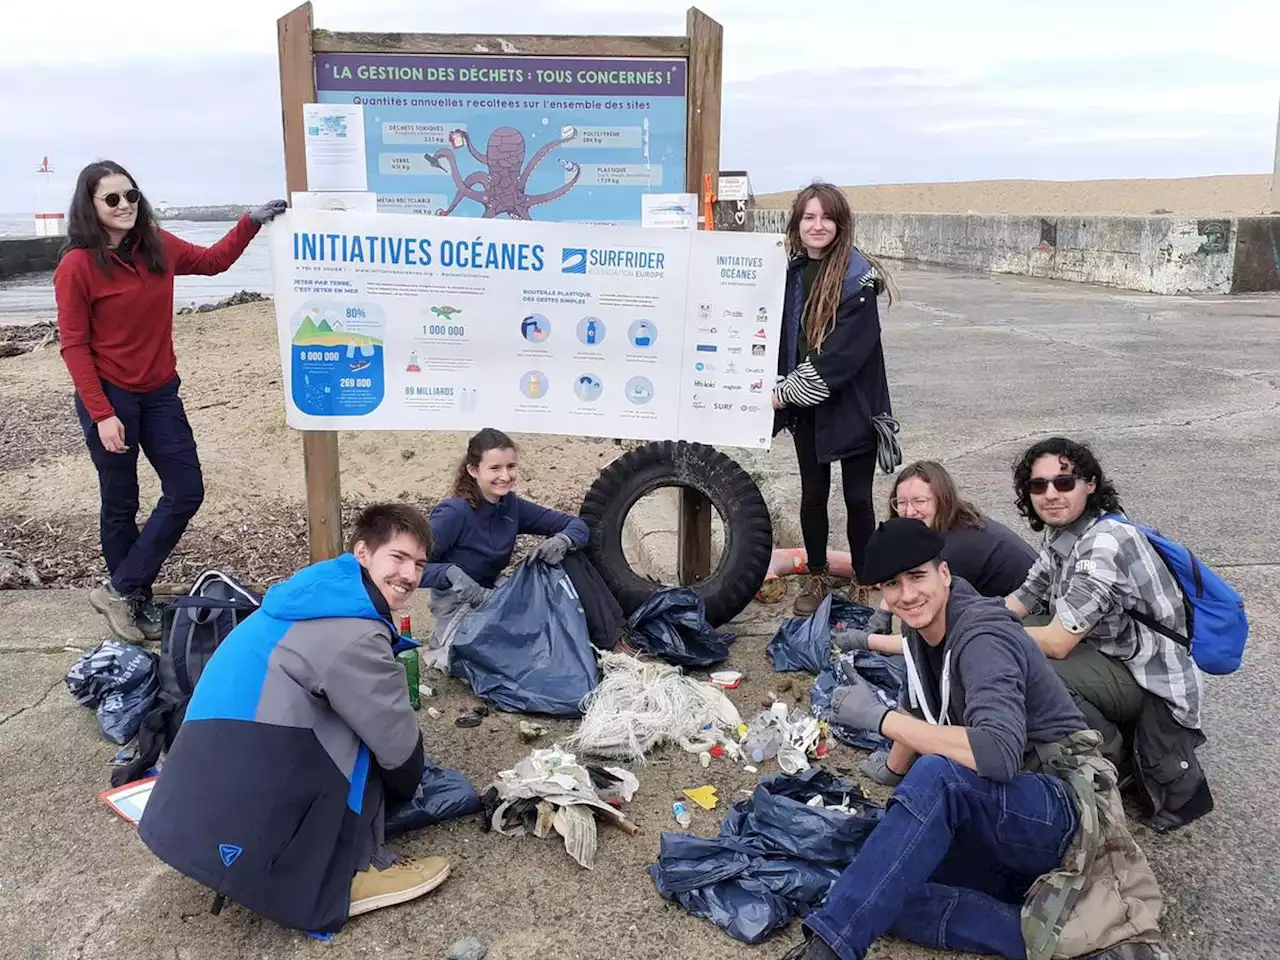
[[995, 682]]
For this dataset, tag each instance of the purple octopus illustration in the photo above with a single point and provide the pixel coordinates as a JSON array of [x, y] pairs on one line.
[[502, 189]]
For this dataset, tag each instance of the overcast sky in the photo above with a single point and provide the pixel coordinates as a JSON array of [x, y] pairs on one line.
[[854, 92]]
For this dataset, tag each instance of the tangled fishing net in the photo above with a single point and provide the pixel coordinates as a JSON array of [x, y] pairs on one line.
[[639, 705]]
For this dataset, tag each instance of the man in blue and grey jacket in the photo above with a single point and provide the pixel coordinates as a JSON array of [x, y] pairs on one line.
[[297, 735]]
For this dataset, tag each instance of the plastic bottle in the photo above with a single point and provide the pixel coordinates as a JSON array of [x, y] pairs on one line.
[[681, 814], [763, 739], [409, 660], [591, 331]]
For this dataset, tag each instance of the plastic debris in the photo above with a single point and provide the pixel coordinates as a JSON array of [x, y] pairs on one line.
[[443, 794], [704, 759], [526, 649], [726, 679], [426, 690], [750, 769], [717, 751], [775, 859], [705, 797], [433, 713], [639, 705], [681, 814], [672, 625]]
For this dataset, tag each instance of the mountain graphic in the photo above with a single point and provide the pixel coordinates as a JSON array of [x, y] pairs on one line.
[[312, 334]]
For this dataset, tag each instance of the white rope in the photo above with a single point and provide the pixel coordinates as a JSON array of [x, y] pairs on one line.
[[639, 705]]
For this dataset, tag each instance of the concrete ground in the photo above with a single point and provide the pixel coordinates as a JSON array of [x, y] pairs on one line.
[[1179, 397]]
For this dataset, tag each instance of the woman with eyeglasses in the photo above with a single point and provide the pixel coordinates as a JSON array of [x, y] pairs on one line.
[[986, 553], [114, 292]]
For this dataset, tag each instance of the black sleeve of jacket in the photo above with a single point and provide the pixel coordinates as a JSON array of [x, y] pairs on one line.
[[851, 341], [402, 782], [994, 678]]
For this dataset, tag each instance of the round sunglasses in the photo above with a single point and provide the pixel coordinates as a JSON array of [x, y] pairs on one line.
[[1063, 483], [113, 199]]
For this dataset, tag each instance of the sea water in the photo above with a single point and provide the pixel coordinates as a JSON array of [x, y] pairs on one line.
[[30, 296]]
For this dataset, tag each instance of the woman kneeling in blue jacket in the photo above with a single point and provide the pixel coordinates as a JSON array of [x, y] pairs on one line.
[[474, 531]]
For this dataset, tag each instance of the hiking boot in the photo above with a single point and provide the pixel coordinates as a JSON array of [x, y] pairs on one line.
[[148, 617], [119, 611], [406, 879], [816, 587], [862, 595]]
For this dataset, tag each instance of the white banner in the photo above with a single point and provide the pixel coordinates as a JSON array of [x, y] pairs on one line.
[[392, 322]]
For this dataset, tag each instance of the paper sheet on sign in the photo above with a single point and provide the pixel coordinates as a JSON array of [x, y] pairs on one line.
[[333, 134]]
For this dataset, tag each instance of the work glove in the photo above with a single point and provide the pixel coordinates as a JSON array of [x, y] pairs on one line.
[[851, 640], [268, 212], [464, 588], [876, 767], [858, 705], [881, 622], [552, 550]]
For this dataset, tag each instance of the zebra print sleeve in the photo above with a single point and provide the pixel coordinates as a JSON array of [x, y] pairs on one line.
[[804, 387]]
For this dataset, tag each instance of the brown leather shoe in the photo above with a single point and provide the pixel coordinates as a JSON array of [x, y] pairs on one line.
[[814, 591]]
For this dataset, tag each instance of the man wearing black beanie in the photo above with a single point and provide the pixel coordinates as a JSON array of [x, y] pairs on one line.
[[977, 853]]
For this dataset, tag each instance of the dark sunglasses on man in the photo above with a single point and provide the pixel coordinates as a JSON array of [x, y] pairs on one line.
[[1063, 483], [113, 199]]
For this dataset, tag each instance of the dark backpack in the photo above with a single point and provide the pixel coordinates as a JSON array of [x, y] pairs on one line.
[[194, 625]]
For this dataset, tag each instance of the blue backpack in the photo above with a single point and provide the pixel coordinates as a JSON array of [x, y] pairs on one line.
[[1216, 623]]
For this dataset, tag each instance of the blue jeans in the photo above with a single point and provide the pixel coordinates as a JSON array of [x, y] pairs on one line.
[[950, 862], [157, 422]]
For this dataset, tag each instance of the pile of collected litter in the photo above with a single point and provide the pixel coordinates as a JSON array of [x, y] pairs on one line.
[[549, 790], [776, 857], [805, 644], [640, 705]]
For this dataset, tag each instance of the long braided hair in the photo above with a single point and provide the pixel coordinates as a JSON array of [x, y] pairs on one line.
[[824, 297]]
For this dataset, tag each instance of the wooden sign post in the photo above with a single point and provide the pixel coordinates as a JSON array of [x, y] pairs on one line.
[[299, 42]]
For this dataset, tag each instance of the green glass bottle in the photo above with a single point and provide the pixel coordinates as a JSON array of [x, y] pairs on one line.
[[409, 660]]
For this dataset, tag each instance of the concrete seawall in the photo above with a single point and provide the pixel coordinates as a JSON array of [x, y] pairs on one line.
[[28, 254], [1157, 254]]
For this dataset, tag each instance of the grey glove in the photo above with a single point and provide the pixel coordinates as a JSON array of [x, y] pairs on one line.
[[464, 588], [858, 705], [850, 640], [876, 767], [552, 550], [880, 622], [268, 212]]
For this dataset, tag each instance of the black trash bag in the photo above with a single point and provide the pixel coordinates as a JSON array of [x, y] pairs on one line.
[[526, 649], [120, 681], [804, 643], [442, 795], [775, 858], [672, 626], [885, 673]]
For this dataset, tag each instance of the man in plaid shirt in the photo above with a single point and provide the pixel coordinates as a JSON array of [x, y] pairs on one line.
[[1127, 679]]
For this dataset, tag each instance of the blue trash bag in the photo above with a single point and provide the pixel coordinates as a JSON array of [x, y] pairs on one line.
[[775, 858], [885, 673], [527, 648], [121, 681], [804, 643], [443, 795], [672, 626]]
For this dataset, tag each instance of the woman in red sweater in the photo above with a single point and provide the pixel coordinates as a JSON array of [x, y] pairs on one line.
[[114, 290]]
